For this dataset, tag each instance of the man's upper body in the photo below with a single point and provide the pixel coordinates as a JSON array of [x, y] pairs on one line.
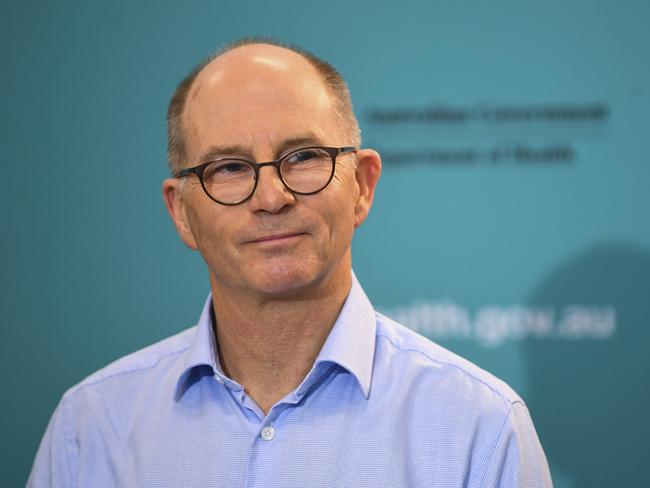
[[381, 407], [290, 378]]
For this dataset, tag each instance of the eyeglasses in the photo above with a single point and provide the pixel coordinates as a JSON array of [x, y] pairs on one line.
[[231, 181]]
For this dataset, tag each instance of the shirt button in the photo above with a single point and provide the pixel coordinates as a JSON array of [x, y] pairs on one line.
[[268, 433], [218, 378]]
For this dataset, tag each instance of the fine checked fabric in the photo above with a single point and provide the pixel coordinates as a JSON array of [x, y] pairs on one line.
[[381, 407]]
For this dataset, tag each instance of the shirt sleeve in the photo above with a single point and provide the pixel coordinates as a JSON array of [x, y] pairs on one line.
[[51, 467], [518, 459]]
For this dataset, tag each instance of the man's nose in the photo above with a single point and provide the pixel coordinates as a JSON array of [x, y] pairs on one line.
[[271, 195]]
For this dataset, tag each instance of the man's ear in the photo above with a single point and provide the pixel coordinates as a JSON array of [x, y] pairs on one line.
[[175, 203], [367, 174]]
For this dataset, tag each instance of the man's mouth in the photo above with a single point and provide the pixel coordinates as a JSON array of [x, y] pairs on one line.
[[279, 237]]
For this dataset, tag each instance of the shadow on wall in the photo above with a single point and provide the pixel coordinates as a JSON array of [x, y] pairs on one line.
[[590, 396]]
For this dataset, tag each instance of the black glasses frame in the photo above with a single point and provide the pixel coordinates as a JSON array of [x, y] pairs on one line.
[[198, 170]]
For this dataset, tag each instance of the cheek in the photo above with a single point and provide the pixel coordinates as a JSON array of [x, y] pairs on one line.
[[206, 229], [340, 219], [345, 193]]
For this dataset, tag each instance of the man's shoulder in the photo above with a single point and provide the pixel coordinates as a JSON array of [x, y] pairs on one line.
[[418, 352], [142, 360]]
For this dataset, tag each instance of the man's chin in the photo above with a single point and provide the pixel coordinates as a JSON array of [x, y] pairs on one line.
[[286, 282]]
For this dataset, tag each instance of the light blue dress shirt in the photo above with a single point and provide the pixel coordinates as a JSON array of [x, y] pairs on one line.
[[381, 407]]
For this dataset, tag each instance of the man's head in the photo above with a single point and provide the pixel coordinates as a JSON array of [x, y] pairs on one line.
[[338, 89], [257, 102]]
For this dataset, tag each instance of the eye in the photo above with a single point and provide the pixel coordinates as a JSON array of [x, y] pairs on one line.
[[231, 167], [304, 155], [226, 169]]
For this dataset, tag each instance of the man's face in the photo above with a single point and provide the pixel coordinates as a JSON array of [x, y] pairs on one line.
[[260, 102]]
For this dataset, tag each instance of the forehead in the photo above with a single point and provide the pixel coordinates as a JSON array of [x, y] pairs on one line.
[[257, 96]]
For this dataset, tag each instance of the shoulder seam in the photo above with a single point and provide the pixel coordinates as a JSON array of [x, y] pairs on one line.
[[83, 384], [66, 439], [509, 401], [496, 443]]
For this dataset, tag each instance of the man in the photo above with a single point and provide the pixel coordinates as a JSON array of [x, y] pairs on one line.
[[290, 378]]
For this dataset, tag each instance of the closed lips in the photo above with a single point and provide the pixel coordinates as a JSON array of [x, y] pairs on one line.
[[276, 236]]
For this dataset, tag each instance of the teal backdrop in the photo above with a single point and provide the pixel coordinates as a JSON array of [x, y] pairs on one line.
[[510, 224]]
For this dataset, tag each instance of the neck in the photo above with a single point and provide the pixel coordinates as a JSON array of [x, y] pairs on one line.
[[269, 345]]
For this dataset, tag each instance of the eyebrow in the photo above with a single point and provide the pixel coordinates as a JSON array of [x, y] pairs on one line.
[[216, 151]]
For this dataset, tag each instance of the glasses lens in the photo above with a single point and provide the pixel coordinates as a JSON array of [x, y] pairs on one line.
[[307, 170], [229, 181]]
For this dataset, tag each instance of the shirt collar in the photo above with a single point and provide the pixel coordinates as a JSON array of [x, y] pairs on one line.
[[350, 343], [202, 350]]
